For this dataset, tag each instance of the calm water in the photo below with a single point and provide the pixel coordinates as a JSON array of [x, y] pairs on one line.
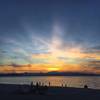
[[71, 81]]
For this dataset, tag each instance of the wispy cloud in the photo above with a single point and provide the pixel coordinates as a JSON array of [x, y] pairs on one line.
[[45, 54]]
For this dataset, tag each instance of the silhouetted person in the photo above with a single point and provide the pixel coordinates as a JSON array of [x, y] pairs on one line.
[[31, 84], [31, 87], [37, 85], [49, 84], [85, 86]]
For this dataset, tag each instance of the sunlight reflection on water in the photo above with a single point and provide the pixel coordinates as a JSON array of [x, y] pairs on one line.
[[71, 81]]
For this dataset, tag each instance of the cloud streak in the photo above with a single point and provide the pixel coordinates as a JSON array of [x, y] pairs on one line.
[[47, 54]]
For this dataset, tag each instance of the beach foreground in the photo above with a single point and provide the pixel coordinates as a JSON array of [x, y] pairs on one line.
[[13, 92]]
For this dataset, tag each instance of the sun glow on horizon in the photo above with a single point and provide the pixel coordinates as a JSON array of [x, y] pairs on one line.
[[58, 57], [53, 69]]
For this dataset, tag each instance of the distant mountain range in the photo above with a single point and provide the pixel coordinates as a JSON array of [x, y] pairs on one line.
[[50, 74]]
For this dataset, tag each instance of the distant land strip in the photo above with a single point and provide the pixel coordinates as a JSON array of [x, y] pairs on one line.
[[50, 74]]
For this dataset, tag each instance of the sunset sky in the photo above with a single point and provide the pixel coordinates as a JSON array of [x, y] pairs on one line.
[[49, 35]]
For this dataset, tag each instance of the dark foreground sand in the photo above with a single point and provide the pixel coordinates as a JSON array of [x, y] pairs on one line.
[[11, 92]]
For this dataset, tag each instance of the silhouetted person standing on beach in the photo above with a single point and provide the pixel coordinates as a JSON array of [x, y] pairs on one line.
[[31, 86], [49, 84], [31, 83], [37, 85]]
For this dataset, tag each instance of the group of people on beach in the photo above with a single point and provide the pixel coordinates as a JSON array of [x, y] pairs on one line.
[[42, 84], [39, 84], [39, 88]]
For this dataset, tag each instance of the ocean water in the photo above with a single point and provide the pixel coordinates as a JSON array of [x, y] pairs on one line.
[[70, 81]]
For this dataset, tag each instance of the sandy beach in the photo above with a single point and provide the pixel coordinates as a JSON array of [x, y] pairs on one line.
[[13, 92]]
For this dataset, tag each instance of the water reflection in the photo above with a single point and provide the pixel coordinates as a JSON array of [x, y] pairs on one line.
[[80, 81]]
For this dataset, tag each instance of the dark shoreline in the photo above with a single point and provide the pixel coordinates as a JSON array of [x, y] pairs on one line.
[[8, 92]]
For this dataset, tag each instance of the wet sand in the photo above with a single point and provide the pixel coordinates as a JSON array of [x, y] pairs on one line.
[[11, 92]]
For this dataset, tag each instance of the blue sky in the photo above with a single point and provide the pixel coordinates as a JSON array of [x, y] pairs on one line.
[[29, 27]]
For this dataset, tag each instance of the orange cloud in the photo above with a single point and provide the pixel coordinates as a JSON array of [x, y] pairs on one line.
[[85, 67]]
